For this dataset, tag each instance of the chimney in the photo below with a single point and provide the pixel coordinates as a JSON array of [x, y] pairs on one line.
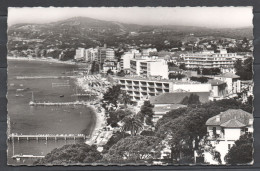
[[218, 118]]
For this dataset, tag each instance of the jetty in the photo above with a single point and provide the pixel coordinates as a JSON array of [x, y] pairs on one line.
[[43, 77], [83, 103], [19, 156], [85, 94], [46, 137]]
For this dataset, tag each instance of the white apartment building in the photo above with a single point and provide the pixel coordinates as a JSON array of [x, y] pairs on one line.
[[142, 88], [224, 129], [80, 54], [232, 81], [110, 53], [148, 68], [210, 59], [91, 54], [125, 60]]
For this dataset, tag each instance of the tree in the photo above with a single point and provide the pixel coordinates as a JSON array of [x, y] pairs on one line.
[[111, 97], [182, 66], [245, 40], [147, 133], [71, 154], [176, 76], [116, 116], [121, 73], [184, 128], [110, 72], [242, 151], [244, 69], [192, 99], [132, 124], [94, 67], [134, 149], [125, 99], [114, 139], [199, 79], [147, 113]]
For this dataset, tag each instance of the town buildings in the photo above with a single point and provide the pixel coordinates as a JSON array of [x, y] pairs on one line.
[[232, 81], [98, 54], [208, 59], [80, 54], [149, 67], [142, 88], [224, 129]]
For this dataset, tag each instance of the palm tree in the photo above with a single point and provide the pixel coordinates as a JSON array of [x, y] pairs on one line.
[[132, 124], [125, 99]]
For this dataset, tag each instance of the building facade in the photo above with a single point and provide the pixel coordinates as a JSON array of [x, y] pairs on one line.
[[80, 54], [110, 53], [149, 68], [224, 129], [141, 89], [222, 60]]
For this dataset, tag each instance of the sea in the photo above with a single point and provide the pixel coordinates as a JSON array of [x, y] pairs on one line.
[[26, 119]]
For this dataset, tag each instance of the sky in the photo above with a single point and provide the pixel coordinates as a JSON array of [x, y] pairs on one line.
[[212, 17]]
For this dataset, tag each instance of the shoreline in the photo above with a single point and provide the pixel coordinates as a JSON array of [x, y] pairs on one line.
[[100, 120], [41, 60]]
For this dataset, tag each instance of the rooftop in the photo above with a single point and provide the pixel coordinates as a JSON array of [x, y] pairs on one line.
[[176, 98], [216, 82], [237, 117], [233, 123], [228, 75], [139, 78], [163, 109]]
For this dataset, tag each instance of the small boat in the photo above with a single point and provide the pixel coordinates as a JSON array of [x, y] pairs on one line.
[[61, 95]]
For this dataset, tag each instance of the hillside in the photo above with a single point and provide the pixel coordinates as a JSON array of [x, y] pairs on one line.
[[88, 32]]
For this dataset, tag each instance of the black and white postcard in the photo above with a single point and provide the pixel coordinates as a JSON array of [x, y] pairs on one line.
[[130, 86]]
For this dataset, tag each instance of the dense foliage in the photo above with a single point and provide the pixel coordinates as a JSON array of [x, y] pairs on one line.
[[199, 79], [192, 99], [114, 139], [116, 116], [146, 113], [210, 71], [244, 69], [176, 76], [242, 151], [72, 154], [134, 149], [185, 126], [132, 124]]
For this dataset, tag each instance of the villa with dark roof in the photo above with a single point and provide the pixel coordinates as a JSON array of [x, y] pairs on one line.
[[224, 129]]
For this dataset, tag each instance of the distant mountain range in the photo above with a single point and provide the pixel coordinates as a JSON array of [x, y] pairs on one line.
[[88, 32]]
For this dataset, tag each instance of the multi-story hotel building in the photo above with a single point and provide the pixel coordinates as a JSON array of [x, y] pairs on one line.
[[80, 54], [148, 68], [210, 60], [125, 60], [142, 88], [110, 53], [91, 54]]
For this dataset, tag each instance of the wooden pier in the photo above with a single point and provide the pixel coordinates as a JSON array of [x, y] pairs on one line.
[[47, 137], [43, 77], [31, 103], [19, 156]]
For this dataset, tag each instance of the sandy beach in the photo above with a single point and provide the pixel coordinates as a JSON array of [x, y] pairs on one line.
[[41, 59], [100, 120]]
